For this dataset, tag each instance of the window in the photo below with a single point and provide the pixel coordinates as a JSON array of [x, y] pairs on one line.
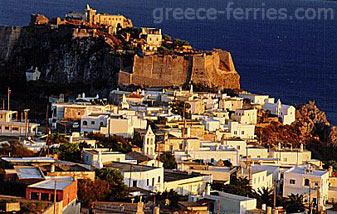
[[85, 123], [235, 132], [147, 182], [134, 183], [34, 196], [92, 122], [44, 196], [238, 147], [292, 181], [79, 113], [101, 124], [285, 159], [306, 182], [158, 179], [152, 181], [242, 132]]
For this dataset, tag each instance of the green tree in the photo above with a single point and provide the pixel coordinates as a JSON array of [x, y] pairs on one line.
[[331, 163], [57, 138], [119, 190], [70, 152], [295, 204], [237, 186], [265, 196], [178, 108], [168, 160], [171, 196], [114, 143], [90, 191]]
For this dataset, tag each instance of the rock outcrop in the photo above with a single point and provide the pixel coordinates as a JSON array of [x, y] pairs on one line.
[[310, 125], [64, 54]]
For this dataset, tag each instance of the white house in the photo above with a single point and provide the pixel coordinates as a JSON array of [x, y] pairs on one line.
[[238, 144], [243, 131], [290, 156], [245, 116], [299, 179], [145, 177], [11, 127], [285, 112], [230, 203], [33, 74], [93, 122], [97, 157], [257, 98], [214, 155], [211, 124], [257, 152], [184, 183], [258, 177]]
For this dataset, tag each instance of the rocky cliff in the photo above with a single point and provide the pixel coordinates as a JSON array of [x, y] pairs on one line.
[[310, 126], [59, 56], [65, 55]]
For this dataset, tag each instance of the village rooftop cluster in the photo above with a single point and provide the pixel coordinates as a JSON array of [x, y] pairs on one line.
[[211, 137], [168, 150]]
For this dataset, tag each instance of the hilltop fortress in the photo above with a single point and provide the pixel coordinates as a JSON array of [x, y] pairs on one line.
[[88, 47]]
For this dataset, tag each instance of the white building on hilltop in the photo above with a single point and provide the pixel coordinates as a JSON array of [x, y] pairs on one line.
[[285, 112]]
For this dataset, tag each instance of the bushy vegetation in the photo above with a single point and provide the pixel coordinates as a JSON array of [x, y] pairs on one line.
[[90, 191], [168, 160], [119, 191], [114, 143]]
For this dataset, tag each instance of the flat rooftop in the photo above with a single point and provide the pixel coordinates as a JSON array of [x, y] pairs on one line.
[[177, 175], [52, 184], [304, 171], [28, 172], [29, 160], [231, 197], [126, 167]]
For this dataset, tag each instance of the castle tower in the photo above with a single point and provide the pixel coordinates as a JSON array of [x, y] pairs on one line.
[[149, 144], [90, 14]]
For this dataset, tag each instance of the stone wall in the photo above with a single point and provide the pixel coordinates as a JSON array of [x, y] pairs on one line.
[[214, 69]]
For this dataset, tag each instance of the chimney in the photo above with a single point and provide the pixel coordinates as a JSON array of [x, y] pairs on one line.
[[140, 209], [188, 132], [156, 210], [52, 168], [330, 170], [301, 148], [269, 209], [279, 146], [208, 189]]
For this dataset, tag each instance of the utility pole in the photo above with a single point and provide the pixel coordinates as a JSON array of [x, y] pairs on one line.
[[55, 192], [3, 104], [310, 210], [47, 129], [9, 95], [275, 193], [26, 122]]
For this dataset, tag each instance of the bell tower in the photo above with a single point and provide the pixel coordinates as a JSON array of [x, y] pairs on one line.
[[149, 145]]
